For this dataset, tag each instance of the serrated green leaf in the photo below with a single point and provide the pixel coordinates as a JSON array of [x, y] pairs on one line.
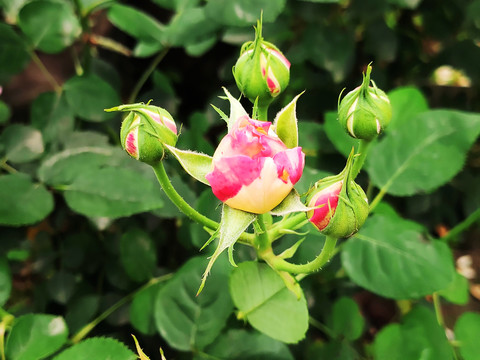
[[14, 55], [189, 322], [97, 349], [136, 23], [243, 12], [234, 222], [467, 332], [347, 321], [112, 192], [51, 26], [196, 164], [418, 337], [391, 258], [337, 134], [406, 103], [23, 202], [52, 115], [88, 95], [22, 143], [457, 291], [264, 301], [5, 280], [35, 336], [241, 344], [286, 123], [138, 254], [423, 153], [63, 167]]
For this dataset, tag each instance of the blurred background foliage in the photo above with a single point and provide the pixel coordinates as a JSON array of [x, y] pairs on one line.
[[84, 226]]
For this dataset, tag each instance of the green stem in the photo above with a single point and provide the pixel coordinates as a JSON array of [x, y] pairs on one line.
[[438, 309], [378, 198], [91, 325], [464, 225], [262, 238], [45, 72], [360, 159], [263, 113], [325, 255], [320, 326], [146, 75], [8, 168], [292, 223], [181, 204]]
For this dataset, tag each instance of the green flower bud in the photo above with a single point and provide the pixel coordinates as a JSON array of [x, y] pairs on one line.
[[145, 131], [366, 111], [261, 72], [341, 204]]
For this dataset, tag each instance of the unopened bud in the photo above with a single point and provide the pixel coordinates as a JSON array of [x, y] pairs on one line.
[[145, 131], [365, 111], [341, 205]]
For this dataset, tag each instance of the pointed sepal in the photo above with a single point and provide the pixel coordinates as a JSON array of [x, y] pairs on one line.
[[194, 163], [236, 110], [285, 123], [234, 222], [292, 203]]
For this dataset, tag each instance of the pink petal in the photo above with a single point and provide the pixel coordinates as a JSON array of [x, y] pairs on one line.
[[231, 173], [327, 197], [280, 57], [290, 164], [131, 143]]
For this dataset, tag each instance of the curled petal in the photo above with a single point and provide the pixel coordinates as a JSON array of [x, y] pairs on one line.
[[328, 200], [290, 164]]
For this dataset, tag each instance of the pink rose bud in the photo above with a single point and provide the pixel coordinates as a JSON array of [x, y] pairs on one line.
[[342, 205], [146, 130], [261, 71], [253, 170]]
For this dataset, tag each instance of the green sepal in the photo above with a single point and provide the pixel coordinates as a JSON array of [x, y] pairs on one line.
[[234, 222], [196, 164], [292, 203], [288, 253], [236, 110], [286, 124], [141, 354]]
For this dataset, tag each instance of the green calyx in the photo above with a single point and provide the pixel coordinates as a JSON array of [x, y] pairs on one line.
[[261, 72], [366, 111], [351, 210], [145, 131]]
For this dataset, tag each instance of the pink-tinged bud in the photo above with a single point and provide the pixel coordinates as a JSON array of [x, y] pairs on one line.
[[252, 169], [341, 205], [146, 130], [261, 72]]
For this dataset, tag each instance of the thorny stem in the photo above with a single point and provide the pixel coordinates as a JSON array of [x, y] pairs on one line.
[[360, 159], [185, 208], [146, 75], [91, 325], [325, 255]]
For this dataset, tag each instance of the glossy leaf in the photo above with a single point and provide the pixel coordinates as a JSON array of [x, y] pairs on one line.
[[423, 153], [346, 321], [406, 103], [22, 143], [264, 301], [242, 344], [391, 258], [187, 321], [467, 332], [337, 134], [50, 25], [138, 254], [112, 192], [52, 115], [142, 310], [89, 95], [243, 12], [136, 23], [97, 349], [418, 337], [457, 291], [35, 336], [14, 56], [23, 202]]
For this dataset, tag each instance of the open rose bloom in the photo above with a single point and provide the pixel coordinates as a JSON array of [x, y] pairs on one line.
[[252, 169]]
